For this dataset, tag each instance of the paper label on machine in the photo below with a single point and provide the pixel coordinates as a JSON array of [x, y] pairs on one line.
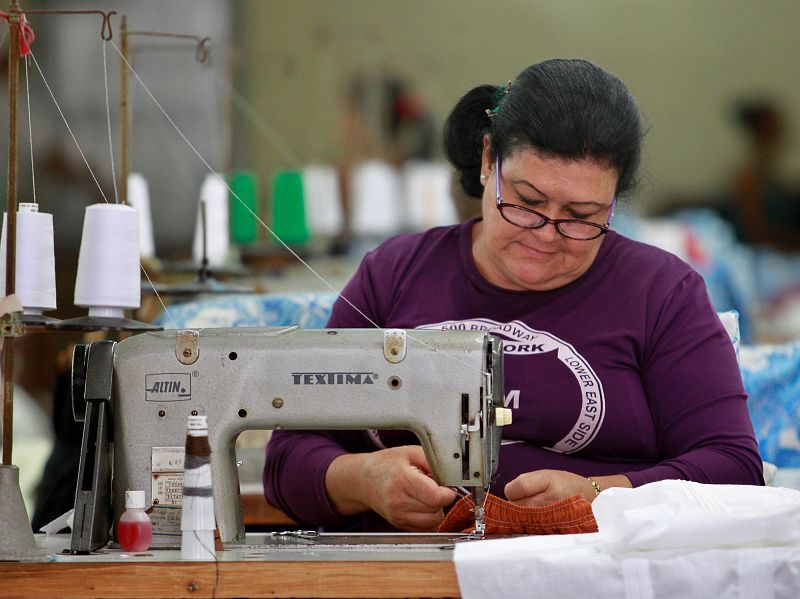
[[167, 488], [166, 520], [167, 493], [167, 459]]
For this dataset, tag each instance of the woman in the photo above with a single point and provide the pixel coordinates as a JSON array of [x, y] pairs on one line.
[[616, 366]]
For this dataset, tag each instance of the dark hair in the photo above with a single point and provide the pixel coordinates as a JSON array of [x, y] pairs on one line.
[[751, 114], [563, 108]]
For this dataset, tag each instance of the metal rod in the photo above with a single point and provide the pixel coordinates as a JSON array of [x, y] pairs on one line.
[[11, 227], [105, 32], [124, 114], [203, 52]]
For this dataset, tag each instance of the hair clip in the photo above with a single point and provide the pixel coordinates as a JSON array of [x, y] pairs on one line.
[[498, 98]]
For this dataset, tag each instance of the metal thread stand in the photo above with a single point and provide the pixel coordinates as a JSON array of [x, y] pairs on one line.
[[17, 541]]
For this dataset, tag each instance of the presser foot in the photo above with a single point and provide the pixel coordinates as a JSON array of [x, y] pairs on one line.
[[480, 525]]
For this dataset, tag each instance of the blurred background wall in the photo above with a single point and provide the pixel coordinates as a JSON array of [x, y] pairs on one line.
[[685, 61], [291, 83]]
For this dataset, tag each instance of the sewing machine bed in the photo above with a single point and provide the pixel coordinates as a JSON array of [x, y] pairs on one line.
[[325, 544], [287, 546]]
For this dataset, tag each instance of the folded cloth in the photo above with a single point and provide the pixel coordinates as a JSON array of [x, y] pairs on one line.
[[568, 516], [678, 514]]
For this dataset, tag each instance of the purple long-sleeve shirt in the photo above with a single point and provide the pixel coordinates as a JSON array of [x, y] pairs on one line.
[[626, 370]]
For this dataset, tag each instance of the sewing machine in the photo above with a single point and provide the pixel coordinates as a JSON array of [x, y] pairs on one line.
[[445, 386]]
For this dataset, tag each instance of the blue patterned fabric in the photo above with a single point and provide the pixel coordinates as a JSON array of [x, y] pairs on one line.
[[306, 310], [771, 375]]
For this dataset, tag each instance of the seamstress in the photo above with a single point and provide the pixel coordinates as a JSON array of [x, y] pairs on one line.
[[616, 364]]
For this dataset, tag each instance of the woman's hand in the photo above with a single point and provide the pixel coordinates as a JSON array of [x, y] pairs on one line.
[[544, 487], [395, 482]]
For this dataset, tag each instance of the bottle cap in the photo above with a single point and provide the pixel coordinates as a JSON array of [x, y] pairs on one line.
[[134, 499], [198, 423]]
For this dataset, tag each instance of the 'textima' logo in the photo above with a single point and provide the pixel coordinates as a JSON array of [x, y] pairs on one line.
[[334, 378], [168, 386]]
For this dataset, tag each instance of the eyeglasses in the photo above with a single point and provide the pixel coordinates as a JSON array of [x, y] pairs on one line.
[[526, 218]]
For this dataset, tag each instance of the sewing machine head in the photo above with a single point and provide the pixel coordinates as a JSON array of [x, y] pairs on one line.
[[445, 386]]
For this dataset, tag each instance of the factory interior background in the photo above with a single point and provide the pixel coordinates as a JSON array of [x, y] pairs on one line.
[[335, 85]]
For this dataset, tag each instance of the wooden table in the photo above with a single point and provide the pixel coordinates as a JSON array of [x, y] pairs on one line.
[[240, 572]]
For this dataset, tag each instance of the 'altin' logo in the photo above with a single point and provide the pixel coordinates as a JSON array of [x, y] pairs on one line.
[[168, 386], [334, 378]]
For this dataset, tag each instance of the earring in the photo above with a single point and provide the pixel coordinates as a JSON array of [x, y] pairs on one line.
[[483, 177]]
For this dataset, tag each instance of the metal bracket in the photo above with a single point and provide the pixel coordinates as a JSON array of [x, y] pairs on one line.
[[394, 345], [187, 346], [92, 516], [11, 324], [466, 429]]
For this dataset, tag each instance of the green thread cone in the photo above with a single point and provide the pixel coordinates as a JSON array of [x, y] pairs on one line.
[[288, 208], [243, 225]]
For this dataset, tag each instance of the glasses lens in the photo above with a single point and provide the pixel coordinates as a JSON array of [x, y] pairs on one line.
[[528, 219], [520, 217], [580, 230]]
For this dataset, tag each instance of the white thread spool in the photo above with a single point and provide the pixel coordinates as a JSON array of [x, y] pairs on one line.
[[139, 198], [214, 194], [197, 512], [427, 189], [323, 200], [35, 273], [376, 207], [108, 280]]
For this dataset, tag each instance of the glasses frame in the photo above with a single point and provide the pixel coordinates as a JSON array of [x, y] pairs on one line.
[[556, 222]]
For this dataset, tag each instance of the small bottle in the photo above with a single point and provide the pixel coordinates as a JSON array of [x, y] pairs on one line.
[[134, 530]]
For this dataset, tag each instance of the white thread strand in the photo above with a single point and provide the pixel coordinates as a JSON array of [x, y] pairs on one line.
[[30, 128], [174, 325], [258, 219], [77, 145], [216, 562], [108, 119], [64, 118], [212, 171]]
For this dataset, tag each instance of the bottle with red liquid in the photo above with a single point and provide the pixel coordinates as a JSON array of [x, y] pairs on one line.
[[134, 529]]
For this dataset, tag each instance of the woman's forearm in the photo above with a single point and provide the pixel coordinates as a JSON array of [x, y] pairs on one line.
[[345, 484]]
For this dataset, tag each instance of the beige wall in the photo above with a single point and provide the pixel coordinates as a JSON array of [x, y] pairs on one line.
[[684, 61]]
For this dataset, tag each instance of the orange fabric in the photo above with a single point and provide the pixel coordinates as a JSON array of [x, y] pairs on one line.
[[568, 516]]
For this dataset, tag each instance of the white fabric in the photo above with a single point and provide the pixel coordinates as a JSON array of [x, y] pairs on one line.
[[677, 514], [659, 541]]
